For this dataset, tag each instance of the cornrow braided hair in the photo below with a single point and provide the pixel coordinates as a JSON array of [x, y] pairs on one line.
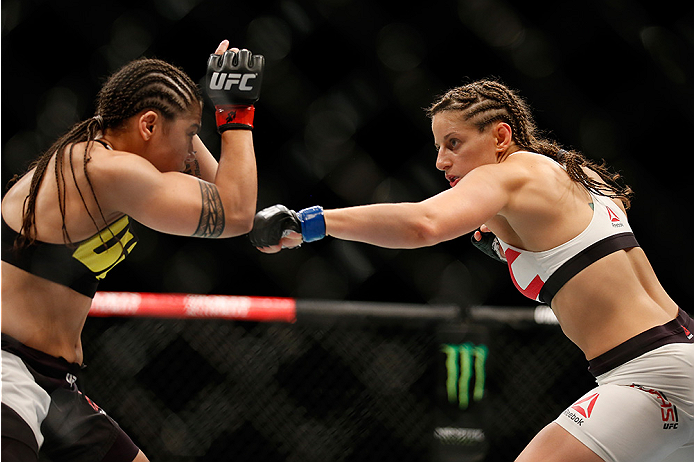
[[146, 84], [487, 101], [143, 84]]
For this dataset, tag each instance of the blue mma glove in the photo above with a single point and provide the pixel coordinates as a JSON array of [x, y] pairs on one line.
[[271, 224]]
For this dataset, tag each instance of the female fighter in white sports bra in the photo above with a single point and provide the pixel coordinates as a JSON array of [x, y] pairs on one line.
[[561, 225]]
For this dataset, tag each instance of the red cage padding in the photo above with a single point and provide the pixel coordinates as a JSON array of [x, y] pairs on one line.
[[190, 306]]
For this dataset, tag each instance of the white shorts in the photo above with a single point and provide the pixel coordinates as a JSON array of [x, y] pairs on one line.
[[641, 411], [23, 395]]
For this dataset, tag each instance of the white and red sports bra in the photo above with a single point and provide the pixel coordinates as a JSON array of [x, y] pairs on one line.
[[540, 275]]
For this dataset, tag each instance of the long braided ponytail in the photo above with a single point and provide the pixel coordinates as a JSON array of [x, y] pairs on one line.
[[486, 101], [143, 84]]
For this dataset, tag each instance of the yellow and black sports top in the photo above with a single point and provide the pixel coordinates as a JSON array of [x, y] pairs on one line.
[[79, 266]]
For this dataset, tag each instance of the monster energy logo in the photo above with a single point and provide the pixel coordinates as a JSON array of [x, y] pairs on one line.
[[465, 363]]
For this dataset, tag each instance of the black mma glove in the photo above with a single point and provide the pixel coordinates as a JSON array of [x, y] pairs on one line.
[[489, 244], [270, 225], [233, 84]]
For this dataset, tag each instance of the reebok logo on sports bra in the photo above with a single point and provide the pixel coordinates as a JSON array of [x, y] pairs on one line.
[[540, 275], [106, 249]]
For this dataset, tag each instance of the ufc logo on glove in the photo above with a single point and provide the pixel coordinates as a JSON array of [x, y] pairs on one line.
[[233, 84], [222, 79]]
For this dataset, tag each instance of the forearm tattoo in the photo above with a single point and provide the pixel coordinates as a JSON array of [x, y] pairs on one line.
[[212, 215]]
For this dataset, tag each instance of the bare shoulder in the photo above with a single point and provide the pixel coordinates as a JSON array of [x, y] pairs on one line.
[[108, 167], [111, 159], [536, 183], [521, 169], [117, 175], [531, 160], [13, 202], [546, 209]]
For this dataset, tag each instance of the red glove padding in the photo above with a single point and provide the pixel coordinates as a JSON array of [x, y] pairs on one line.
[[234, 117]]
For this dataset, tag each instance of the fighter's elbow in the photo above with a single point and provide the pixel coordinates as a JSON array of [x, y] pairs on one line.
[[426, 232], [238, 222]]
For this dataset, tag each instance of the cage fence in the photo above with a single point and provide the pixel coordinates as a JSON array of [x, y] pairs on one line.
[[340, 381]]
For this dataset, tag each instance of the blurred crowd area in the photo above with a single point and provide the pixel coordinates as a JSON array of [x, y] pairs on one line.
[[340, 121]]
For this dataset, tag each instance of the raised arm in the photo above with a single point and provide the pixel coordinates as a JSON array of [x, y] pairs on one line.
[[214, 199]]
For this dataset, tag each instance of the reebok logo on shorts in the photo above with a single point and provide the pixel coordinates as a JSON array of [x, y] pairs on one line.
[[583, 408]]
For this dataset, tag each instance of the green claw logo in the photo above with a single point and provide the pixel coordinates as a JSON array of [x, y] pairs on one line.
[[465, 366]]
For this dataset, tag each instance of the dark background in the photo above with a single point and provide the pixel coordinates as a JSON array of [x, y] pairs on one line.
[[340, 121]]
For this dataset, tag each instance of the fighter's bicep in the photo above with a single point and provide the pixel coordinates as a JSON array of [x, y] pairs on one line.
[[465, 207], [172, 203]]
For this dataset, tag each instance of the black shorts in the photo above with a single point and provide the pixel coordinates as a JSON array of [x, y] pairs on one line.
[[46, 415]]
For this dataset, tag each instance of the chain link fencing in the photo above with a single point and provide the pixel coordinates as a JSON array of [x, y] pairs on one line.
[[340, 389]]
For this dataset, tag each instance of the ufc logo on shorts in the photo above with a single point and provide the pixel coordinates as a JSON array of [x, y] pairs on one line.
[[668, 410], [223, 80]]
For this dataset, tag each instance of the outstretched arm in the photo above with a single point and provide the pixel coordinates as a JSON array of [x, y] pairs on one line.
[[445, 216]]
